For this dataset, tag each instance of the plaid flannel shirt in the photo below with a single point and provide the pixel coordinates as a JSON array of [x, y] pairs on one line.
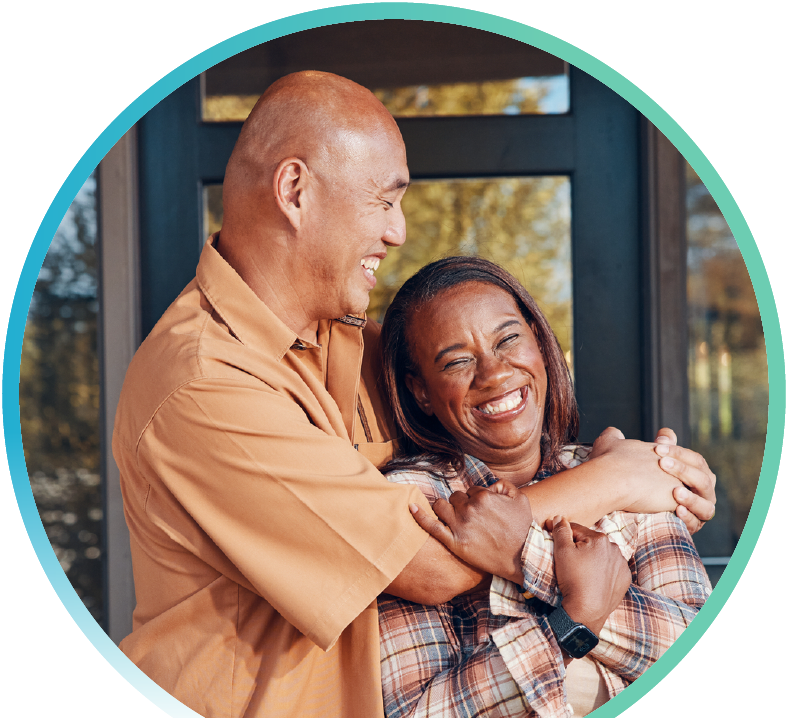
[[494, 654]]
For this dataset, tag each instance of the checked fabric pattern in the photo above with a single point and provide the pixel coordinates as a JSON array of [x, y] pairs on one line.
[[493, 653]]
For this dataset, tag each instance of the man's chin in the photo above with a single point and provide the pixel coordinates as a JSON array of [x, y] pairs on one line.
[[357, 307]]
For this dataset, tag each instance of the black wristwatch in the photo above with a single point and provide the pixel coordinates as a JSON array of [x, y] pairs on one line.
[[575, 638]]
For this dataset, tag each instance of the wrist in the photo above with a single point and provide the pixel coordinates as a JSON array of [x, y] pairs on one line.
[[581, 614]]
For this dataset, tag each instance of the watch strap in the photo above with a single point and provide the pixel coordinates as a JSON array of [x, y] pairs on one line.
[[561, 623]]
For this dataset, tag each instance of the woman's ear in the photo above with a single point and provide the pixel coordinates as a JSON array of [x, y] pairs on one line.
[[416, 387]]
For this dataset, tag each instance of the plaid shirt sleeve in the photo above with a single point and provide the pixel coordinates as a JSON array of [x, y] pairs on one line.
[[669, 586], [431, 666], [461, 658]]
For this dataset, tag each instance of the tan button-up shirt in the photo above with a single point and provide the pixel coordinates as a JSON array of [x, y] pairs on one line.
[[260, 536]]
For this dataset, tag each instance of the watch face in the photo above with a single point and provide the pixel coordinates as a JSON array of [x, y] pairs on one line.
[[579, 641]]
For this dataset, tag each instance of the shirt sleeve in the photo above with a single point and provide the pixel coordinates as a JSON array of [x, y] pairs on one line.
[[427, 669], [669, 586], [239, 476]]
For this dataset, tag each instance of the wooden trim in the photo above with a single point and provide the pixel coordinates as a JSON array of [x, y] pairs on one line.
[[666, 389], [119, 337]]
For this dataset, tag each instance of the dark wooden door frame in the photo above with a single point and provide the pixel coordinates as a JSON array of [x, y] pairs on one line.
[[598, 145]]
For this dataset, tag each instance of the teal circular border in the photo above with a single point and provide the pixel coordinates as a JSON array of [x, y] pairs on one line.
[[400, 11]]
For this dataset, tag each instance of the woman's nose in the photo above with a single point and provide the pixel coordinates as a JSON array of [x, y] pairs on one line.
[[491, 371]]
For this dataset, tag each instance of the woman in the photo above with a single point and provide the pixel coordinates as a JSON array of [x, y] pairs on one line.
[[481, 392]]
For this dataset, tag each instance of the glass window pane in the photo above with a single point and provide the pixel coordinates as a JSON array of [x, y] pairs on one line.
[[59, 400], [522, 223], [415, 68], [729, 390]]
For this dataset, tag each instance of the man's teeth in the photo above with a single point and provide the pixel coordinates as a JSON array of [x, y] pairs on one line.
[[370, 264], [505, 405]]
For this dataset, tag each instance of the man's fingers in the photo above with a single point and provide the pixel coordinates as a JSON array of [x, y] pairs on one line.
[[700, 481], [693, 523], [666, 436], [698, 505], [612, 433], [690, 459], [432, 526]]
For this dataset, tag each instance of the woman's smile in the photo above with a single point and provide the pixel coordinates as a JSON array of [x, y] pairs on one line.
[[480, 372], [506, 406]]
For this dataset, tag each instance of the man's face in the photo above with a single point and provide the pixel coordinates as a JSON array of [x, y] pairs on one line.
[[357, 216]]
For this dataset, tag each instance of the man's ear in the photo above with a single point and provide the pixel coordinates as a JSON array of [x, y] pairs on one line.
[[416, 387], [290, 178]]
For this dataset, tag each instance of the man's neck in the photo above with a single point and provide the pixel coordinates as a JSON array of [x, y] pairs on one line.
[[269, 277]]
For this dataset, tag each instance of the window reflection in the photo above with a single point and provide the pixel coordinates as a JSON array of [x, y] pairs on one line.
[[522, 223], [59, 400], [729, 390]]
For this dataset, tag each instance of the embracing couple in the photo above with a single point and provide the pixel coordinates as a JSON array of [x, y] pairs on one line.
[[278, 572]]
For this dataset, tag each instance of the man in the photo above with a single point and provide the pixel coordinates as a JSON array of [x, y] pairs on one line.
[[261, 532]]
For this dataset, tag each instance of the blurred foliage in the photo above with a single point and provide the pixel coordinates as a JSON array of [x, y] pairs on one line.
[[522, 223], [729, 387], [59, 400], [518, 96]]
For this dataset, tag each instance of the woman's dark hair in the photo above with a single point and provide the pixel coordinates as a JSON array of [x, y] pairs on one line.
[[423, 437]]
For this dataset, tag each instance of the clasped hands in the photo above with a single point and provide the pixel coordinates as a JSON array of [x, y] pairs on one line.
[[487, 528]]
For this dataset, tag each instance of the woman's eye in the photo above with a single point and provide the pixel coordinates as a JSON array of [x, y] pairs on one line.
[[454, 364], [509, 339]]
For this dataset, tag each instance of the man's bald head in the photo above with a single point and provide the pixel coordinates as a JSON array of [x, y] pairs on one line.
[[318, 117], [312, 197]]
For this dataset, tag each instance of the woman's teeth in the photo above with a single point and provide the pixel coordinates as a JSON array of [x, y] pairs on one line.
[[507, 404]]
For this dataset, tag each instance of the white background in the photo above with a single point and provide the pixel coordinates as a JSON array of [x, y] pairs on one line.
[[69, 68]]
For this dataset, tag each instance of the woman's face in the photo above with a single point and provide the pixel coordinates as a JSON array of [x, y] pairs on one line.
[[481, 373]]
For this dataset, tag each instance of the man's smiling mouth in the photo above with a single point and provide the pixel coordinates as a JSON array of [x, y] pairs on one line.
[[370, 265], [505, 403]]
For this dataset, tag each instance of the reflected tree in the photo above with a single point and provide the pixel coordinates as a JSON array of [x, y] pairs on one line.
[[59, 400]]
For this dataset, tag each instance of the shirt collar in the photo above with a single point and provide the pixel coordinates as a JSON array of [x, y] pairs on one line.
[[246, 315]]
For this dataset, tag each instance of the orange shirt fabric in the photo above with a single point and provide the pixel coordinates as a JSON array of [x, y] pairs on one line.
[[261, 534]]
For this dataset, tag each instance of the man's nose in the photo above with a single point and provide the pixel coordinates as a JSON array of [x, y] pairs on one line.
[[395, 232], [491, 371]]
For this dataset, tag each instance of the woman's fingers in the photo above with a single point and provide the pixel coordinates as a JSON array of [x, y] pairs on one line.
[[432, 526]]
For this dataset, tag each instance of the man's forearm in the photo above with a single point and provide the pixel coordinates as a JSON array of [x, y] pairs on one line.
[[584, 494], [628, 480], [435, 575]]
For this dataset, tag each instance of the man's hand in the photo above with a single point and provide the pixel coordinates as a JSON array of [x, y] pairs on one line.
[[697, 497], [591, 573], [685, 483], [647, 488], [486, 528]]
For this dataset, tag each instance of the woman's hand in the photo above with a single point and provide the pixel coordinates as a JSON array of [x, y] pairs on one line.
[[591, 573], [486, 528]]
